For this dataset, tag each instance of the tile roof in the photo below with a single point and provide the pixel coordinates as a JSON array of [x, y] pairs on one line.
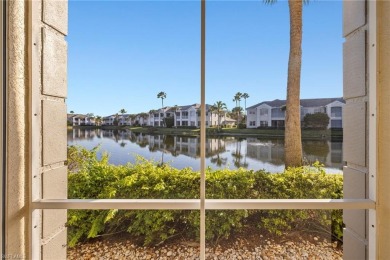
[[314, 102]]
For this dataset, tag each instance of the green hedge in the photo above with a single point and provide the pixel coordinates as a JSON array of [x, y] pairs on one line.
[[94, 178]]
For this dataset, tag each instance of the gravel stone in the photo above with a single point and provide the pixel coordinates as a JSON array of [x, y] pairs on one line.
[[240, 249]]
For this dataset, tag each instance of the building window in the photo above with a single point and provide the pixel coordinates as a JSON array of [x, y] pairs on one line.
[[263, 123], [336, 111], [334, 123], [264, 111], [252, 123]]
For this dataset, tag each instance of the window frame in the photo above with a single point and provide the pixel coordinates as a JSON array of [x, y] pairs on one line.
[[202, 204], [3, 94]]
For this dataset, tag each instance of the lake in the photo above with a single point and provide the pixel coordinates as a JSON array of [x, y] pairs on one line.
[[124, 146]]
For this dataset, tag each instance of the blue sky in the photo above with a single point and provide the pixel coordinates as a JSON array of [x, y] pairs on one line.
[[122, 53]]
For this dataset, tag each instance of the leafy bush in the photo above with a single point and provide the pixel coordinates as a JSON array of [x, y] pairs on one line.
[[93, 178], [169, 121], [187, 127], [241, 126], [316, 121]]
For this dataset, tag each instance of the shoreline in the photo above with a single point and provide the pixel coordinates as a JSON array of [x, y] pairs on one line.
[[307, 134]]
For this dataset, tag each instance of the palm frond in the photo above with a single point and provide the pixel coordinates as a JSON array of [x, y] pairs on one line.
[[270, 2]]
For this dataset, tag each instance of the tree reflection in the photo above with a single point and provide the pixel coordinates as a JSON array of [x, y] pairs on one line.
[[237, 155], [218, 160]]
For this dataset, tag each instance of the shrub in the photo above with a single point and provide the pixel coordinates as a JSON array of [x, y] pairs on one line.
[[169, 121], [316, 121], [93, 178], [241, 126], [186, 127]]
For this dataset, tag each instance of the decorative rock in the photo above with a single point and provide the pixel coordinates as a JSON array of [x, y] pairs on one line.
[[239, 249]]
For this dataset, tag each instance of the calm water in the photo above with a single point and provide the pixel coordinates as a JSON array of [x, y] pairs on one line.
[[224, 152]]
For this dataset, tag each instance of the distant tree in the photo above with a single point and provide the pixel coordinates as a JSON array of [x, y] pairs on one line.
[[122, 111], [130, 118], [116, 120], [220, 108], [98, 120], [245, 96], [169, 121], [317, 121], [71, 111], [236, 112], [237, 98], [90, 114], [163, 96]]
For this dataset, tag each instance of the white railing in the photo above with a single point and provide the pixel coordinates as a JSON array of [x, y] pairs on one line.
[[209, 204]]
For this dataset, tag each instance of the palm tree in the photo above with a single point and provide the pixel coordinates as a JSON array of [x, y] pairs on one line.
[[237, 111], [292, 141], [116, 119], [237, 98], [122, 111], [98, 120], [131, 118], [245, 96], [162, 95], [144, 116], [220, 107]]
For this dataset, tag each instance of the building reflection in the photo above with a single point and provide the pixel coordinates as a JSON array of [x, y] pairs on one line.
[[221, 151]]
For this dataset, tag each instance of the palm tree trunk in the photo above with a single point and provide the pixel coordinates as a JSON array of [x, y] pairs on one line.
[[293, 142]]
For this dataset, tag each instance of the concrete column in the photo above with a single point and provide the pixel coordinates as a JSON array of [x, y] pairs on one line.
[[17, 200]]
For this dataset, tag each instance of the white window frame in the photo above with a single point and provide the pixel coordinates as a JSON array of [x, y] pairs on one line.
[[202, 204]]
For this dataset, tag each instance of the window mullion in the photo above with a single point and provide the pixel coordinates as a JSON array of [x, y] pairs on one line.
[[203, 133]]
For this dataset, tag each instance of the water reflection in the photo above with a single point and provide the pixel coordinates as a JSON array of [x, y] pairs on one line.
[[221, 152]]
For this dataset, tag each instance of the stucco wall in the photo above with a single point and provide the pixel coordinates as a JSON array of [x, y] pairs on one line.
[[36, 130], [17, 211]]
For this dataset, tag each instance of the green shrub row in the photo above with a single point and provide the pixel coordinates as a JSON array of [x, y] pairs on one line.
[[93, 178]]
